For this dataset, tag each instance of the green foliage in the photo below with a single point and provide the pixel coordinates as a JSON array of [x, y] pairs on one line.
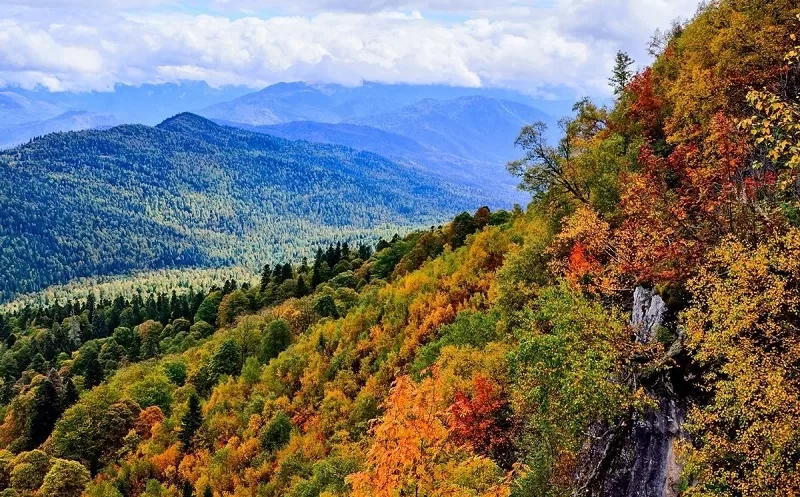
[[191, 421], [233, 305], [564, 368], [207, 312], [243, 189], [622, 72], [228, 359], [93, 430], [469, 329], [277, 433], [462, 225], [326, 307], [276, 338], [251, 371], [202, 328], [153, 390], [65, 479], [176, 372], [29, 470]]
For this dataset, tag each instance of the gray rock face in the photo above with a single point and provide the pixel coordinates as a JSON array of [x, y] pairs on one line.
[[636, 457], [648, 314]]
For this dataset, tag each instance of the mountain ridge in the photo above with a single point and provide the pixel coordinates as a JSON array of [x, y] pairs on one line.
[[192, 193]]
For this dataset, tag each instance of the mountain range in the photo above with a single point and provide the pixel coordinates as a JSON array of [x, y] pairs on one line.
[[460, 135], [189, 192]]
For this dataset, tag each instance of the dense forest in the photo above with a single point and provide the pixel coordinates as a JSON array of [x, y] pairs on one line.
[[190, 193], [632, 332]]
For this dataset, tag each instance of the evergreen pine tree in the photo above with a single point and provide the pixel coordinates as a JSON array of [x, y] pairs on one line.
[[286, 272], [45, 412], [337, 254], [265, 274], [622, 72], [70, 394], [364, 252], [93, 372], [300, 290], [90, 304], [228, 359], [99, 324], [191, 422]]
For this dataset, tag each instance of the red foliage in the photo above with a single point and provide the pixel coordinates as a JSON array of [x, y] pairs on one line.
[[480, 421], [581, 264], [646, 107]]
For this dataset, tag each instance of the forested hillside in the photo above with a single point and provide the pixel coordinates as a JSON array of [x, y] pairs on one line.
[[633, 332], [192, 193]]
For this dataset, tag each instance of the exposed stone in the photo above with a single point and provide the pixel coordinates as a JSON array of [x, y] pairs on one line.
[[636, 457], [648, 314]]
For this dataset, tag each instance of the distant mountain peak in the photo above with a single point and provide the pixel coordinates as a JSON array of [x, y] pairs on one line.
[[180, 122]]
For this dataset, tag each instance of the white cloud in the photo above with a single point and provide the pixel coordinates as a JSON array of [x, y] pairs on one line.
[[534, 48]]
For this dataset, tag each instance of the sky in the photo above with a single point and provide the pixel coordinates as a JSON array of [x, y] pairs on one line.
[[542, 48]]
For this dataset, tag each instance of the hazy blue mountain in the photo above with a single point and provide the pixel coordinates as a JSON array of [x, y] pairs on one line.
[[490, 178], [16, 109], [350, 135], [189, 192], [476, 127], [287, 102], [145, 104], [69, 121]]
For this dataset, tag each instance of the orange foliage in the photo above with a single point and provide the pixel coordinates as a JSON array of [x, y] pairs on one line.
[[413, 450], [148, 418], [166, 464]]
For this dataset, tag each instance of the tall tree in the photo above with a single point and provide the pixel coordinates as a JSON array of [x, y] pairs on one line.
[[191, 421], [265, 277], [622, 73], [301, 290], [45, 412]]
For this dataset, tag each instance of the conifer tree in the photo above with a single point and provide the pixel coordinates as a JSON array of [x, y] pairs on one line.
[[301, 290], [265, 277], [622, 72], [191, 421], [45, 412], [286, 272]]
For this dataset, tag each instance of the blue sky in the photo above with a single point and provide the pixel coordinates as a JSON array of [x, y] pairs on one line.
[[540, 47]]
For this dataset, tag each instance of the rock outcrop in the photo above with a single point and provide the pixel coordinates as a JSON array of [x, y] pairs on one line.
[[649, 312], [636, 457]]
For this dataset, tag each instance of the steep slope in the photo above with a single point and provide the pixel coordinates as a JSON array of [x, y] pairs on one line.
[[68, 121], [477, 127], [189, 192]]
